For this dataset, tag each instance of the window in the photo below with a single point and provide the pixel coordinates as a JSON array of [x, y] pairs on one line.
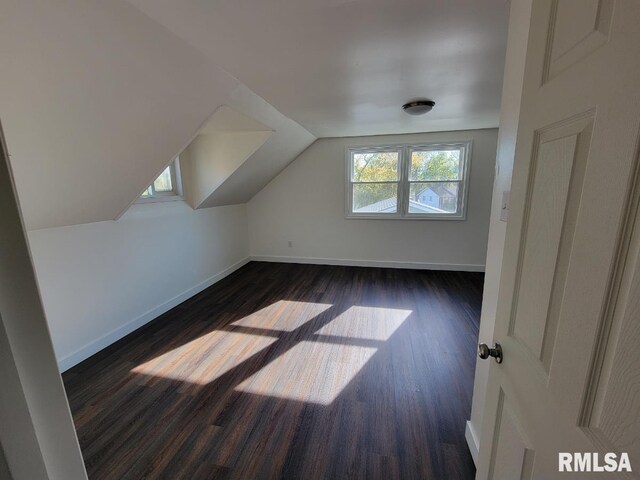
[[427, 181], [166, 187]]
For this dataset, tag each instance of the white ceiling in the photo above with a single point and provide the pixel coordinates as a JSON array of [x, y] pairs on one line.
[[344, 67]]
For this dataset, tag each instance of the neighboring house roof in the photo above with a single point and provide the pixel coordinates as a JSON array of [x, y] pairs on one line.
[[383, 206], [417, 207], [389, 205], [439, 190]]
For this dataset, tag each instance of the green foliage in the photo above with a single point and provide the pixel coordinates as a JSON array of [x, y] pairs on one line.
[[435, 165], [375, 167]]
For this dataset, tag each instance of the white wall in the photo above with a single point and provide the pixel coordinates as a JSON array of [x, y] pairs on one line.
[[305, 204], [100, 281], [511, 95]]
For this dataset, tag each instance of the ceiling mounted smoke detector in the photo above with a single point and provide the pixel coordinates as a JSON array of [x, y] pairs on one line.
[[418, 107]]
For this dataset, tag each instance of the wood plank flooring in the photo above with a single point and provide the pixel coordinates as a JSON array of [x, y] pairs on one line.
[[289, 371]]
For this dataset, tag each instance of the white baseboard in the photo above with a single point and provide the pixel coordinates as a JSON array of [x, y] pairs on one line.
[[472, 441], [95, 346], [369, 263]]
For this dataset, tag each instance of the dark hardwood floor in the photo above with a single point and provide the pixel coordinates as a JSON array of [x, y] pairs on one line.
[[289, 371]]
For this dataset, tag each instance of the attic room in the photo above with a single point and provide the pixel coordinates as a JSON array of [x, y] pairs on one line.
[[318, 239]]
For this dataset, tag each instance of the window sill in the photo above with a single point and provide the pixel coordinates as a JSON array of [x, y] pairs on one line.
[[406, 217], [159, 199]]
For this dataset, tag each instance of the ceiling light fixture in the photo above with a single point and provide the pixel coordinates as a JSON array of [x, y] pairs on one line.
[[418, 107]]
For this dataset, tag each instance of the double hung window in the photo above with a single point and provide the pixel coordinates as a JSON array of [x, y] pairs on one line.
[[426, 181]]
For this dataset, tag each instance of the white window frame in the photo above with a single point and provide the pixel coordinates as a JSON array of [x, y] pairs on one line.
[[404, 184], [176, 181]]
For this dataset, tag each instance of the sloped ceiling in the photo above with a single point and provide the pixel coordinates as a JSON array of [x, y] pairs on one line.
[[344, 67], [96, 99]]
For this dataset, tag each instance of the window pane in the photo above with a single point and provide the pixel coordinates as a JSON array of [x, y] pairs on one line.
[[375, 167], [147, 193], [433, 197], [375, 198], [435, 165], [163, 182]]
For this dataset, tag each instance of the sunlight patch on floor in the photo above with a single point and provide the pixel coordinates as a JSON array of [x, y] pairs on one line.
[[283, 315], [318, 371], [367, 323], [310, 372], [206, 358]]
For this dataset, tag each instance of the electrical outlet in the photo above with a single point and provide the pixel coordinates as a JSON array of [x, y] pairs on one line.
[[290, 243]]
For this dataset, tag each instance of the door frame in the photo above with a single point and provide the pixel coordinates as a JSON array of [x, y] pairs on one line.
[[38, 439], [517, 42]]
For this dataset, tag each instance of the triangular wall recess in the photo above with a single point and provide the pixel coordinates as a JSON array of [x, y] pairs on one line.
[[223, 144]]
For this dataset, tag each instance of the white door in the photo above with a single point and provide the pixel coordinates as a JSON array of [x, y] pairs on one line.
[[568, 315]]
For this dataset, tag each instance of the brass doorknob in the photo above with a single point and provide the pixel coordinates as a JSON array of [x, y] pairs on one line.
[[485, 352]]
